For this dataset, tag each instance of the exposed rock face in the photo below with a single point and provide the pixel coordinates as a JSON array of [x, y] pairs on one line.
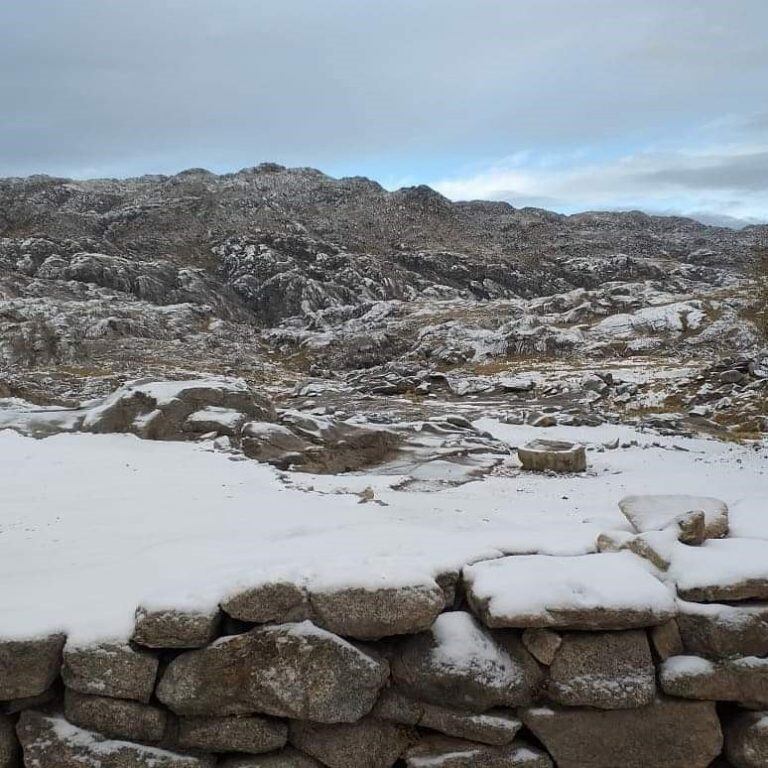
[[655, 512], [172, 628], [746, 740], [368, 743], [666, 734], [289, 670], [53, 742], [232, 734], [609, 670], [691, 677], [29, 667], [460, 661], [443, 752], [553, 456]]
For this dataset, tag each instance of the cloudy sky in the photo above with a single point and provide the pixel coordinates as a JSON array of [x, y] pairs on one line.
[[567, 104]]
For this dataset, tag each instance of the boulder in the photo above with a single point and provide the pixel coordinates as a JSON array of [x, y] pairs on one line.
[[10, 751], [607, 670], [722, 631], [278, 601], [212, 418], [444, 752], [665, 734], [29, 667], [746, 740], [116, 718], [461, 663], [542, 644], [497, 726], [52, 742], [368, 743], [250, 734], [273, 444], [597, 592], [174, 628], [553, 456], [110, 669], [654, 512], [286, 758], [288, 670], [691, 677], [666, 639]]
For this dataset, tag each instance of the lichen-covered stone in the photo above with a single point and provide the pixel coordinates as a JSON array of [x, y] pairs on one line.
[[248, 734], [116, 718], [692, 677], [29, 667], [746, 740], [368, 743], [666, 734], [444, 752], [110, 669], [607, 670], [458, 661], [52, 742], [173, 628], [288, 670]]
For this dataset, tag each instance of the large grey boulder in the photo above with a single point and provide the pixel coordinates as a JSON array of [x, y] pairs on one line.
[[10, 751], [553, 456], [285, 758], [173, 628], [598, 592], [116, 718], [444, 752], [368, 743], [692, 677], [665, 734], [461, 663], [746, 740], [52, 742], [497, 726], [654, 512], [110, 669], [250, 734], [607, 670], [289, 670], [29, 667]]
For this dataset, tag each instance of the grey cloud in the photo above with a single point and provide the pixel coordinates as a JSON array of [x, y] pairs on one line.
[[747, 172]]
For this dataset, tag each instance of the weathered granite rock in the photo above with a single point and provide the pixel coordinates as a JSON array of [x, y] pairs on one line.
[[666, 734], [692, 677], [249, 734], [10, 751], [289, 670], [461, 662], [444, 752], [286, 758], [369, 614], [498, 726], [278, 601], [173, 628], [110, 669], [607, 670], [542, 644], [116, 718], [29, 667], [214, 419], [666, 639], [746, 740], [603, 591], [272, 443], [14, 706], [720, 631], [52, 742], [653, 512], [368, 743], [553, 456]]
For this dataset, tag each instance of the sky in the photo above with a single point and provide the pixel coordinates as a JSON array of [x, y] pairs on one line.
[[564, 104]]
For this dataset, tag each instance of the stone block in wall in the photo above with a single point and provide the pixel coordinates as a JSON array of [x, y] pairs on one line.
[[542, 644], [720, 631], [605, 591], [692, 677], [746, 740], [287, 670], [368, 743], [608, 670], [116, 718], [654, 512], [174, 628], [285, 758], [44, 699], [250, 734], [666, 639], [444, 752], [458, 661], [10, 750], [279, 601], [29, 667], [497, 726], [52, 742], [110, 669], [666, 734]]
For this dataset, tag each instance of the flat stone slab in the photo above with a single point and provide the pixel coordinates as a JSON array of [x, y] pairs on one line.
[[553, 456], [173, 628], [720, 631], [443, 752], [602, 591], [721, 570], [654, 512], [691, 677]]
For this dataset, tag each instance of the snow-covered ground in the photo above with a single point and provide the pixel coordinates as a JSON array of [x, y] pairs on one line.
[[93, 525]]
